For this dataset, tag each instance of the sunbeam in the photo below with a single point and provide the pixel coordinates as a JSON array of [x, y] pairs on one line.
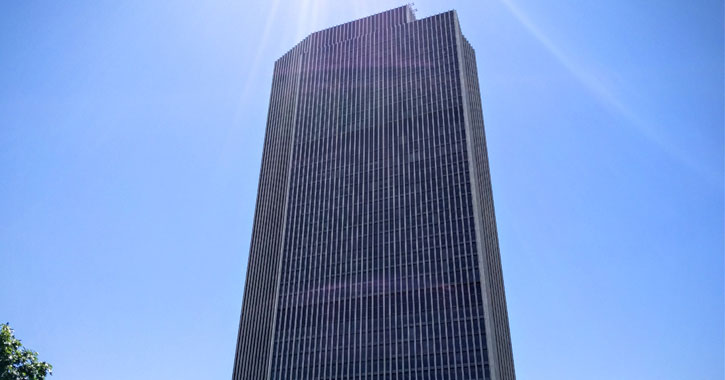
[[263, 41], [610, 100]]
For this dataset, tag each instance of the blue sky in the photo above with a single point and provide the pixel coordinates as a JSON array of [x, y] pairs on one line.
[[130, 147]]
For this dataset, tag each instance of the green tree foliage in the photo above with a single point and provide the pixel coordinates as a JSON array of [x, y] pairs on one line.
[[18, 362]]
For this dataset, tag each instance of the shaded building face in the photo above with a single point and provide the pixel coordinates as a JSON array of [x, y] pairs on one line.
[[374, 251]]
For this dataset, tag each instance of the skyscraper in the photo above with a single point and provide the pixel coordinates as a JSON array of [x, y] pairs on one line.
[[374, 251]]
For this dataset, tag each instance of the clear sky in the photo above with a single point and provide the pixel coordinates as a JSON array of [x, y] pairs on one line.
[[130, 146]]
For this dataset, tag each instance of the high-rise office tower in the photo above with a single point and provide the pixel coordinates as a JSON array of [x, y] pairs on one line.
[[374, 252]]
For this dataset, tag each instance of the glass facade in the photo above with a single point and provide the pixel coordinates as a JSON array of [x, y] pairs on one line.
[[374, 252]]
